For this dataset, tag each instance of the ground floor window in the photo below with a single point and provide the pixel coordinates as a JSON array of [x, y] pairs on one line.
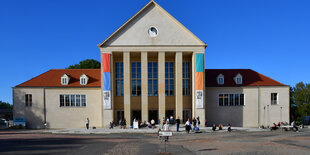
[[231, 99], [72, 100]]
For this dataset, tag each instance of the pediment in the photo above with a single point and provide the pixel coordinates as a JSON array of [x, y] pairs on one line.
[[136, 31]]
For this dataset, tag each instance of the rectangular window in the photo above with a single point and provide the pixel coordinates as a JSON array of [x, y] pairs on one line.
[[241, 99], [236, 99], [152, 78], [186, 79], [221, 99], [274, 98], [135, 78], [28, 99], [169, 79], [72, 100], [83, 100], [119, 79], [231, 99]]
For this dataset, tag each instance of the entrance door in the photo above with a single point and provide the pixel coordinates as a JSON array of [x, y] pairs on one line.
[[136, 114], [187, 114], [119, 116], [153, 114]]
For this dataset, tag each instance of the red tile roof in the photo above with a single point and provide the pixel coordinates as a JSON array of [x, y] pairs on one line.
[[249, 78], [52, 78]]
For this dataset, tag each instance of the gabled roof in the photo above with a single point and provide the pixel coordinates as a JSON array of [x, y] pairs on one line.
[[52, 78], [249, 78], [141, 11]]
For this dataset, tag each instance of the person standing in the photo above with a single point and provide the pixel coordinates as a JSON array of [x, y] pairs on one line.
[[188, 125], [198, 121], [178, 123], [87, 123], [153, 123]]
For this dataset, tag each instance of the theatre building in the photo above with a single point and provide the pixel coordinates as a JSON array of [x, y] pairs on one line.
[[152, 67]]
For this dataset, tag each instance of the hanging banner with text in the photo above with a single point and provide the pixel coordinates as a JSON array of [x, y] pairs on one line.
[[106, 80], [199, 81]]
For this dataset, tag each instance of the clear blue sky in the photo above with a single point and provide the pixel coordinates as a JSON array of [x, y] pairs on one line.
[[268, 36]]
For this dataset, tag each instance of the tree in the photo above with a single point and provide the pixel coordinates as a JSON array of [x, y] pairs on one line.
[[86, 64], [301, 97], [5, 105]]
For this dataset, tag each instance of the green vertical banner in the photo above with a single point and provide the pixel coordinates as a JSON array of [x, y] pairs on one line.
[[199, 62], [199, 80]]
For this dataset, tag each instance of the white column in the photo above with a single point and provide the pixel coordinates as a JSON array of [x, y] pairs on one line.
[[161, 85], [144, 80], [127, 92], [178, 85]]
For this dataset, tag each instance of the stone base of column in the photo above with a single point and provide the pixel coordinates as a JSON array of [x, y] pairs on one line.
[[107, 118], [202, 115]]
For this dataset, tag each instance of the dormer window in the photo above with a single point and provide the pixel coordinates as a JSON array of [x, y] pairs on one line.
[[238, 79], [220, 79], [83, 79], [65, 79]]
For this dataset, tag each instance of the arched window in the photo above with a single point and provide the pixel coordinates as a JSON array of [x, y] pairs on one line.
[[65, 79], [238, 78], [220, 79], [83, 79]]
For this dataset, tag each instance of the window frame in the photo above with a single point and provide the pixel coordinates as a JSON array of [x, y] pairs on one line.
[[67, 102], [119, 78], [219, 81], [136, 78], [274, 102], [152, 81], [234, 97], [169, 78], [28, 100], [186, 78]]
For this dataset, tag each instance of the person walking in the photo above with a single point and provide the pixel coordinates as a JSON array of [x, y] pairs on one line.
[[229, 128], [178, 123], [166, 128], [87, 123]]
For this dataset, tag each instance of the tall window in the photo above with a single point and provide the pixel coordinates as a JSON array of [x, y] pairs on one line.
[[152, 79], [28, 99], [136, 78], [231, 99], [274, 98], [186, 79], [169, 78], [119, 78], [72, 100]]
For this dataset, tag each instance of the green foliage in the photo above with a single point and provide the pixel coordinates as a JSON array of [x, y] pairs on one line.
[[5, 105], [86, 64], [300, 97]]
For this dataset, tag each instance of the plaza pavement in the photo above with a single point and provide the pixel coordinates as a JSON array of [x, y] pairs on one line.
[[117, 129]]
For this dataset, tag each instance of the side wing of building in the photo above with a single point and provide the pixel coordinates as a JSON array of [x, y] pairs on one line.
[[257, 101]]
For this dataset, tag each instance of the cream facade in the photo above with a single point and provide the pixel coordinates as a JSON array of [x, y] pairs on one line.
[[256, 111], [153, 35]]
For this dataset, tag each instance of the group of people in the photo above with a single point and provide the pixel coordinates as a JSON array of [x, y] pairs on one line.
[[195, 122], [277, 126], [214, 127]]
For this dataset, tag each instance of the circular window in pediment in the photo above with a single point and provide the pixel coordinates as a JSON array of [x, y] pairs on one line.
[[153, 32]]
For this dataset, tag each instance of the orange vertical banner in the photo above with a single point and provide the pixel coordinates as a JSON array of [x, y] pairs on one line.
[[199, 80]]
